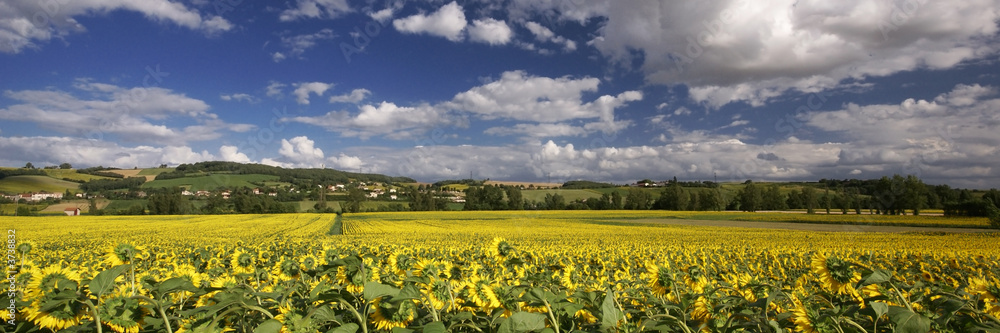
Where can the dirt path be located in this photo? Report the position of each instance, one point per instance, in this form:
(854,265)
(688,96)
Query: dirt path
(807,226)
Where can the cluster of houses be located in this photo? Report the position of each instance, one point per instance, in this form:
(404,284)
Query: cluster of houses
(373,191)
(34,197)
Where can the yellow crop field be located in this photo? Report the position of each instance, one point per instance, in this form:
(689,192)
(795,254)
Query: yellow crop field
(488,272)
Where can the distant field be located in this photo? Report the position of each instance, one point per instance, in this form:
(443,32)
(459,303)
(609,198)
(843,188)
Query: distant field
(72,174)
(22,184)
(211,182)
(154,171)
(525,184)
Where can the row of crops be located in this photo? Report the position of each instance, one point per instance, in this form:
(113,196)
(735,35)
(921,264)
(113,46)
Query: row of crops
(489,272)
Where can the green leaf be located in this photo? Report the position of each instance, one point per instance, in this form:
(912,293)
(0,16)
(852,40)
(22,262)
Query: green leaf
(409,291)
(907,321)
(522,322)
(610,314)
(105,281)
(175,284)
(269,326)
(346,328)
(401,330)
(435,327)
(880,309)
(878,276)
(374,290)
(774,325)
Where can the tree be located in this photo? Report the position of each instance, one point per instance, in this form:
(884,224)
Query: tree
(167,202)
(29,166)
(708,200)
(794,200)
(637,199)
(772,199)
(994,214)
(616,200)
(672,198)
(355,196)
(809,199)
(65,166)
(514,199)
(555,201)
(750,197)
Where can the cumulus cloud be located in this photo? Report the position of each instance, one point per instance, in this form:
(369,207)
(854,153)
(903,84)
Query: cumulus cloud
(490,31)
(754,51)
(232,154)
(304,89)
(127,113)
(448,22)
(328,9)
(25,23)
(345,162)
(301,152)
(355,97)
(275,89)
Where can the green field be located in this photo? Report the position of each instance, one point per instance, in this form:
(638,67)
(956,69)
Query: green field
(154,171)
(569,195)
(24,184)
(211,182)
(72,174)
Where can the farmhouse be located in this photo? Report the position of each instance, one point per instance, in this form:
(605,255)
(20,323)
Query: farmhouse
(72,211)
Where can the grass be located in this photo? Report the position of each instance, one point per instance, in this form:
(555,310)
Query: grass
(125,204)
(306,205)
(24,184)
(211,182)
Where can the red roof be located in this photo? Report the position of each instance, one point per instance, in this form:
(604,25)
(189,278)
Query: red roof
(69,209)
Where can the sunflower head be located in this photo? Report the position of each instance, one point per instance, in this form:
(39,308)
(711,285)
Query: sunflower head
(122,313)
(388,315)
(243,262)
(499,249)
(55,288)
(123,253)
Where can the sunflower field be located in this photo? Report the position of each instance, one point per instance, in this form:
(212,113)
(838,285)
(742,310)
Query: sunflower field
(487,272)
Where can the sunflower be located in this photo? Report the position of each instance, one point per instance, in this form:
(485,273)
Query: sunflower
(387,315)
(48,286)
(295,321)
(835,274)
(243,262)
(122,313)
(481,293)
(800,316)
(123,253)
(987,293)
(659,278)
(585,316)
(438,295)
(702,310)
(499,249)
(287,269)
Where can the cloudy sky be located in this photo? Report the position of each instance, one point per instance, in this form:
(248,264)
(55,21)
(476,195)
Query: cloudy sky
(517,90)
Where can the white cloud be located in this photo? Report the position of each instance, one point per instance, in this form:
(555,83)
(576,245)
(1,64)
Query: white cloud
(239,98)
(302,90)
(538,130)
(23,23)
(754,51)
(127,113)
(545,35)
(299,44)
(355,97)
(448,22)
(274,89)
(383,15)
(345,162)
(490,31)
(301,152)
(232,154)
(329,9)
(386,118)
(519,96)
(49,150)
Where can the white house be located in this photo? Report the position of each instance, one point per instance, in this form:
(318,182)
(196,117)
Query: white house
(72,211)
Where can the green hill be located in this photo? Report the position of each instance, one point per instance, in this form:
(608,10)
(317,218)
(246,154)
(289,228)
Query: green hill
(24,184)
(211,182)
(72,175)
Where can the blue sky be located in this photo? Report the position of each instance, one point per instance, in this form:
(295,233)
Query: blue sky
(509,90)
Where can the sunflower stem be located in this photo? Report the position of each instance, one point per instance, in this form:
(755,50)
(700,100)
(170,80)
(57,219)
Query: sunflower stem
(97,316)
